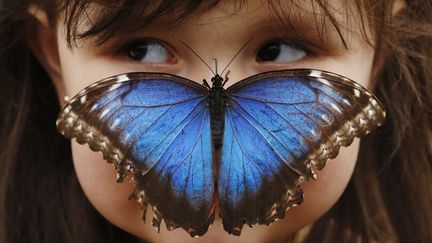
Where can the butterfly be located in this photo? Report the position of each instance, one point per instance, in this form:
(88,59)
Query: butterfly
(193,150)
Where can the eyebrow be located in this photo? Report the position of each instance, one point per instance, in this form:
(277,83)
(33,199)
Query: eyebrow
(317,19)
(284,20)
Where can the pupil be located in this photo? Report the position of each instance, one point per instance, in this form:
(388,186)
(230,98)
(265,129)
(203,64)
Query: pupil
(269,52)
(138,52)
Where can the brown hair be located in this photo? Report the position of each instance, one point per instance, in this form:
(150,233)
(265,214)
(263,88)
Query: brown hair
(389,197)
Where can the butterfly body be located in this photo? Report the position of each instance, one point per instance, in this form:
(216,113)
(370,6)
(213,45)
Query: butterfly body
(242,152)
(217,111)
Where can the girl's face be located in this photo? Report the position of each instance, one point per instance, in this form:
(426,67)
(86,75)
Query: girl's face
(218,33)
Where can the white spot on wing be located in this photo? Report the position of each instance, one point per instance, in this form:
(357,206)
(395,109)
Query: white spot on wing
(70,120)
(334,107)
(315,133)
(83,99)
(115,86)
(346,101)
(94,107)
(316,73)
(115,123)
(67,109)
(126,136)
(325,117)
(122,78)
(104,112)
(324,81)
(356,93)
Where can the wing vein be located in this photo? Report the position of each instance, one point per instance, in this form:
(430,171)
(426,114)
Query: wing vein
(246,155)
(165,104)
(239,144)
(339,106)
(274,149)
(193,147)
(332,112)
(290,123)
(135,139)
(171,130)
(142,107)
(271,102)
(107,102)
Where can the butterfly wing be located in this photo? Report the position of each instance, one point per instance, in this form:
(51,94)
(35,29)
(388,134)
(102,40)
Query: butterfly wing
(277,125)
(155,126)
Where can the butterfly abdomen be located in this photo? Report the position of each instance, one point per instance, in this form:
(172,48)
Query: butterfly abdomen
(217,116)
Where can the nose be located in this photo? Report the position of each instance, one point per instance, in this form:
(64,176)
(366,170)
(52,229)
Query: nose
(225,56)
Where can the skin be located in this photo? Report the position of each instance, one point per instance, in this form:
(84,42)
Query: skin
(217,33)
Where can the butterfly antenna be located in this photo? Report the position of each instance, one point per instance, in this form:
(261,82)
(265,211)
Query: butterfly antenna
(215,60)
(232,59)
(196,54)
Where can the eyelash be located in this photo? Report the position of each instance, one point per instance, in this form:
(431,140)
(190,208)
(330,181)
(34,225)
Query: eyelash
(127,48)
(293,44)
(309,50)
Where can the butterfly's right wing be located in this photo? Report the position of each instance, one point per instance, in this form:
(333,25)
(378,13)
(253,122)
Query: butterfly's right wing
(278,126)
(156,126)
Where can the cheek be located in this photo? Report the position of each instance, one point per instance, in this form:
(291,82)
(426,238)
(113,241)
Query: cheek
(320,194)
(98,180)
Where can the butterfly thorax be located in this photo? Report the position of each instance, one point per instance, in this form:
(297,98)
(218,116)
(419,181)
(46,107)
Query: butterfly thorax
(217,111)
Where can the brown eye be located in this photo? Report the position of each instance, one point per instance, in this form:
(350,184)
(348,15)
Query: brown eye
(280,51)
(149,52)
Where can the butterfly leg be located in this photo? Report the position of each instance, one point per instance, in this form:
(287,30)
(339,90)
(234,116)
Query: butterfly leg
(206,84)
(226,78)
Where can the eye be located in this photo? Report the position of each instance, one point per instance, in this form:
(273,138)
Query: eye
(149,52)
(280,51)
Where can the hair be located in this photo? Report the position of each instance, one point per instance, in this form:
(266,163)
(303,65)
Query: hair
(389,197)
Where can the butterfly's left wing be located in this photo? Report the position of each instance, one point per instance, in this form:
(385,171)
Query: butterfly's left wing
(277,125)
(158,127)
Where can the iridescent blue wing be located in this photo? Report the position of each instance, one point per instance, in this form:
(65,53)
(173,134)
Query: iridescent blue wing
(278,125)
(157,127)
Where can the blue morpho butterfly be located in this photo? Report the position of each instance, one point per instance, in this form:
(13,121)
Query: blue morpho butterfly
(194,150)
